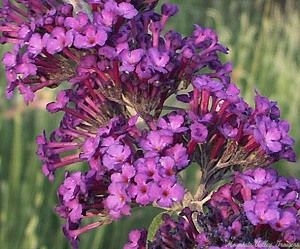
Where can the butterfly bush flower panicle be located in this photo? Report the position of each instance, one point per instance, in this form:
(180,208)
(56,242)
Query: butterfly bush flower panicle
(119,66)
(226,134)
(142,55)
(110,152)
(258,208)
(263,202)
(37,32)
(80,123)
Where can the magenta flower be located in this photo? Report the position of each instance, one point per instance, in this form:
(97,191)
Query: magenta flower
(130,59)
(128,172)
(35,44)
(57,40)
(62,100)
(116,155)
(117,201)
(78,22)
(169,193)
(127,10)
(179,155)
(148,168)
(261,212)
(156,141)
(90,37)
(158,59)
(144,192)
(9,59)
(173,122)
(199,132)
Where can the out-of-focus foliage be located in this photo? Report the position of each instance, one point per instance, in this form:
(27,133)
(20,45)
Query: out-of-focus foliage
(264,42)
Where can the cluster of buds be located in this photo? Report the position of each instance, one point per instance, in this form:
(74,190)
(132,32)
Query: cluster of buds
(118,69)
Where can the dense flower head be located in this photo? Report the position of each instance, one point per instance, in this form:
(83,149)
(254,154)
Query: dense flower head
(258,209)
(135,171)
(124,52)
(230,132)
(257,204)
(259,130)
(118,68)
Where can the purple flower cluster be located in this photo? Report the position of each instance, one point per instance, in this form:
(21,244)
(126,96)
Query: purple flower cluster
(258,209)
(81,195)
(118,67)
(257,204)
(132,166)
(114,47)
(226,133)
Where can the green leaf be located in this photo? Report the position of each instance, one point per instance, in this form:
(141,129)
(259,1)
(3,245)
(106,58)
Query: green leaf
(154,226)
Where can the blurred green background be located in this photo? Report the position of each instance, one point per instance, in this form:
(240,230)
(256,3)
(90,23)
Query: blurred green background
(264,41)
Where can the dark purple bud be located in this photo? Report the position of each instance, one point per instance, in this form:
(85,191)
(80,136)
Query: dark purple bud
(169,9)
(199,132)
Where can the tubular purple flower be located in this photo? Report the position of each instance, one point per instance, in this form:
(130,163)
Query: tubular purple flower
(35,44)
(148,168)
(81,195)
(156,141)
(115,156)
(130,59)
(9,59)
(144,192)
(62,100)
(91,37)
(167,167)
(179,155)
(169,9)
(117,202)
(247,207)
(57,40)
(198,132)
(169,193)
(128,172)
